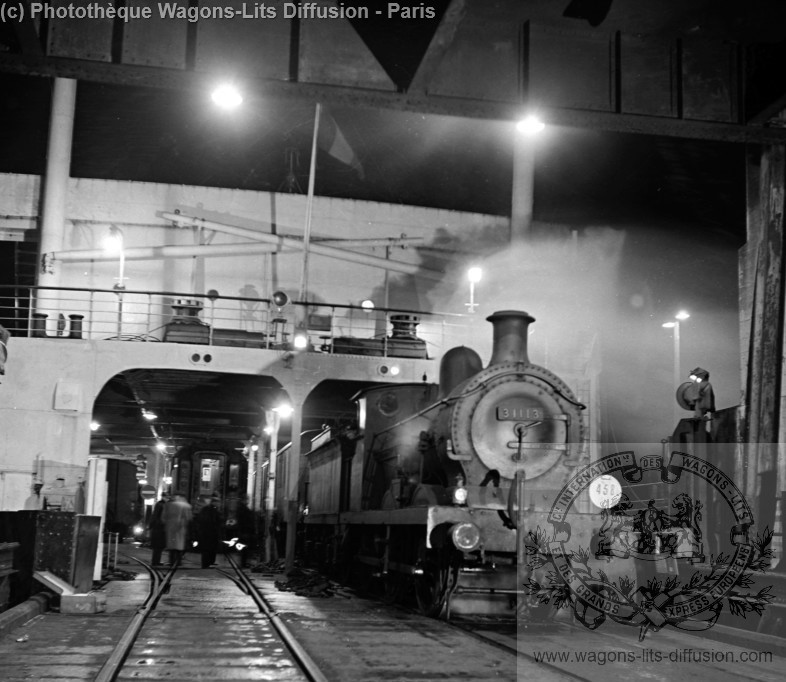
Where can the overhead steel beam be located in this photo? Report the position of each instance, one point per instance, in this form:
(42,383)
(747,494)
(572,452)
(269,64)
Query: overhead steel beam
(440,44)
(174,79)
(769,112)
(27,36)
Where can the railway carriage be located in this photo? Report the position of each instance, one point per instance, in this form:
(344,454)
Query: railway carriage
(204,469)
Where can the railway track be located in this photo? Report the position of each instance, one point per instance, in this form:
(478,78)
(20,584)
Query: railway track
(200,624)
(144,651)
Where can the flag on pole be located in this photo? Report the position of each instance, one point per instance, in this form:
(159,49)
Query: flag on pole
(333,141)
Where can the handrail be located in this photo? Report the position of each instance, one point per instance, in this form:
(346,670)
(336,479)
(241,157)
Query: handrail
(213,319)
(184,295)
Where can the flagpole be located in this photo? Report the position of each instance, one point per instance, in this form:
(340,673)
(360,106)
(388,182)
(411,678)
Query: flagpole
(309,206)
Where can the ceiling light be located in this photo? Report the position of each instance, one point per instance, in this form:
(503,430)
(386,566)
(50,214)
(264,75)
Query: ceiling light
(150,416)
(530,125)
(94,426)
(227,96)
(161,446)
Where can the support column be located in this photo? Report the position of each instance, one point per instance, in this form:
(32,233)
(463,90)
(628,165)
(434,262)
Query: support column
(55,183)
(293,485)
(764,401)
(523,187)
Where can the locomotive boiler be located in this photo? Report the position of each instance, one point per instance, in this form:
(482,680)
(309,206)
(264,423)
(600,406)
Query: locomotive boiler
(434,490)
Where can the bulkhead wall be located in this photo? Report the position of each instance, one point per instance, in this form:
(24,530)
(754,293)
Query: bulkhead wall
(50,385)
(94,207)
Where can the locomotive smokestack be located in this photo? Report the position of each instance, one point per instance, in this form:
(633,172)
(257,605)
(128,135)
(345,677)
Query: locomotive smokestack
(510,336)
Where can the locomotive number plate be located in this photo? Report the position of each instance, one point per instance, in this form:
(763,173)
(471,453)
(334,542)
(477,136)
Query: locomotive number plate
(518,412)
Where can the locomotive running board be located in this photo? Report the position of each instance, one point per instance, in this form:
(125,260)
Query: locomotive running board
(484,592)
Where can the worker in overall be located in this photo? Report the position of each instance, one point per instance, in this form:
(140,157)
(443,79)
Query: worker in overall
(699,395)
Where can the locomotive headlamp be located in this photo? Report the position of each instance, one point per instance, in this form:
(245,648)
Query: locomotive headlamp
(465,536)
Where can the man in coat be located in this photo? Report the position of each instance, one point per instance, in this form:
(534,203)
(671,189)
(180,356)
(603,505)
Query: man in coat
(177,519)
(209,531)
(244,528)
(158,530)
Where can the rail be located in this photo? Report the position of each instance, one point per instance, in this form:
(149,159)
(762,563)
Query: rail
(160,585)
(215,320)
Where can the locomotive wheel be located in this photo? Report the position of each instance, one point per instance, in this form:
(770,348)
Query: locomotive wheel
(431,587)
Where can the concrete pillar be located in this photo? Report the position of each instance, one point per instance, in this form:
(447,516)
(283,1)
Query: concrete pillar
(523,186)
(55,185)
(95,504)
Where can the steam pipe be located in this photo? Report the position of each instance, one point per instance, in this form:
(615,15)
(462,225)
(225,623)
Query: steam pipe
(511,328)
(152,252)
(320,249)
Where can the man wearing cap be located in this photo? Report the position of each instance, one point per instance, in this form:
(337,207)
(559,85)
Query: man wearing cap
(209,525)
(700,396)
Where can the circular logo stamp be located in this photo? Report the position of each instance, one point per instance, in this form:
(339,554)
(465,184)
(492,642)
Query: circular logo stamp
(605,491)
(646,534)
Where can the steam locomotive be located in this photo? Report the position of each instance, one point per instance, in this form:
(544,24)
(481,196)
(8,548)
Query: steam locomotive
(435,489)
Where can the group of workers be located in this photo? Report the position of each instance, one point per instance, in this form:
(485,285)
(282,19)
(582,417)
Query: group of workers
(173,526)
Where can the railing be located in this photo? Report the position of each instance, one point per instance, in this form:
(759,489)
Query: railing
(177,317)
(110,545)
